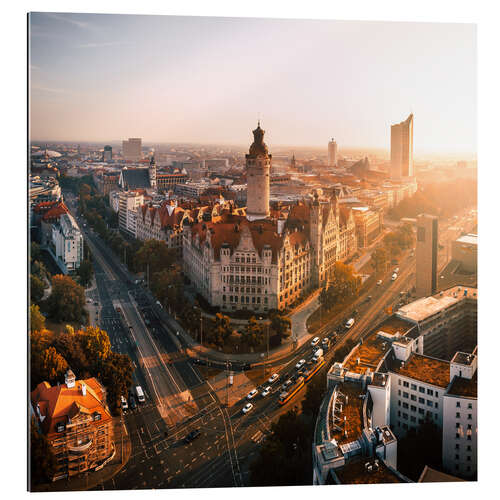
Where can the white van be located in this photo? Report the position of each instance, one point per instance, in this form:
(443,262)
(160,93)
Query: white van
(349,323)
(317,355)
(140,394)
(124,403)
(394,277)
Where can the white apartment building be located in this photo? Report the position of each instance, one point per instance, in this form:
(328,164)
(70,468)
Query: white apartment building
(129,203)
(67,243)
(387,380)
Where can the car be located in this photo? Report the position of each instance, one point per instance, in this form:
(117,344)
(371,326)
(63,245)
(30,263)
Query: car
(132,403)
(247,408)
(252,394)
(273,378)
(355,312)
(396,270)
(394,277)
(286,385)
(368,298)
(314,341)
(325,343)
(192,436)
(300,364)
(124,403)
(266,391)
(379,282)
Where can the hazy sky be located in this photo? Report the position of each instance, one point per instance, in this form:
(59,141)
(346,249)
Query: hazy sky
(193,79)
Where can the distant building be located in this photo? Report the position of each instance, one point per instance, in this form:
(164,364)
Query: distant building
(132,149)
(402,149)
(107,154)
(77,423)
(464,251)
(67,243)
(332,153)
(106,182)
(368,225)
(139,177)
(129,203)
(427,255)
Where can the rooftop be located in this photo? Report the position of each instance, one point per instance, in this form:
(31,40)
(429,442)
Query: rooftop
(424,368)
(470,239)
(356,472)
(464,387)
(422,308)
(434,476)
(352,411)
(463,358)
(367,355)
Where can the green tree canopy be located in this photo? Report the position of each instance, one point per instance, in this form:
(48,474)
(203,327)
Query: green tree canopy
(157,255)
(36,289)
(85,272)
(37,319)
(67,300)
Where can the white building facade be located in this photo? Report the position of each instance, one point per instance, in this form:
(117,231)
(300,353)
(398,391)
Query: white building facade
(67,243)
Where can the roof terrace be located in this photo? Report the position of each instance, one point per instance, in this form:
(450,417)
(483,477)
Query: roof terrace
(346,422)
(367,355)
(424,368)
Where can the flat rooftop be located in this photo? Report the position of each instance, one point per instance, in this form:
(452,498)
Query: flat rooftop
(422,308)
(353,411)
(355,472)
(424,368)
(469,239)
(463,358)
(464,387)
(367,355)
(374,348)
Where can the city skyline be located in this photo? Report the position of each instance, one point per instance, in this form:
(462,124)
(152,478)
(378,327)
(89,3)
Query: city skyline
(303,93)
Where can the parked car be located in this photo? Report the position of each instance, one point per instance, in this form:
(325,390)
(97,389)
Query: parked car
(396,270)
(300,364)
(252,394)
(325,343)
(286,385)
(247,408)
(273,378)
(394,277)
(266,391)
(379,282)
(124,403)
(192,436)
(314,341)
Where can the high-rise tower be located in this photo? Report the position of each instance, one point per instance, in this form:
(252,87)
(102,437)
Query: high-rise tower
(258,163)
(332,153)
(427,255)
(402,149)
(152,171)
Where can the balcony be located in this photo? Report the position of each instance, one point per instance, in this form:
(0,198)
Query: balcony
(80,448)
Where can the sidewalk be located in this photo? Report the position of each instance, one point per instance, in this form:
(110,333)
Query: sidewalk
(299,336)
(86,481)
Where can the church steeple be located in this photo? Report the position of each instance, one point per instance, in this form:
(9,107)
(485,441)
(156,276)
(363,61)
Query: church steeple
(258,146)
(152,171)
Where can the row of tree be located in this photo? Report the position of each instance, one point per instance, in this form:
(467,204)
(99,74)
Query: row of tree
(342,286)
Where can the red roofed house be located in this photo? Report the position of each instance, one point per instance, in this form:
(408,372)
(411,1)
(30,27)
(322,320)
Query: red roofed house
(77,423)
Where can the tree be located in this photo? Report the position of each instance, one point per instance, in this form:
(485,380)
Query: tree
(314,395)
(220,330)
(36,289)
(379,260)
(285,456)
(53,365)
(67,300)
(42,460)
(95,343)
(37,319)
(281,325)
(35,252)
(254,334)
(85,272)
(342,285)
(116,374)
(38,269)
(157,255)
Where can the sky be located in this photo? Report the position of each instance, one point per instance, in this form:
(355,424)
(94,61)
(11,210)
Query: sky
(96,77)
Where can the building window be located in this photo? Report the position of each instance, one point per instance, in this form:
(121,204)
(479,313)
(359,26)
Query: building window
(405,405)
(430,392)
(421,411)
(413,408)
(435,405)
(469,406)
(421,401)
(457,446)
(469,416)
(457,435)
(422,389)
(429,403)
(457,415)
(405,395)
(406,384)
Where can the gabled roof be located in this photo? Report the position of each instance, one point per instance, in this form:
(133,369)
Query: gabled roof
(60,403)
(55,212)
(136,178)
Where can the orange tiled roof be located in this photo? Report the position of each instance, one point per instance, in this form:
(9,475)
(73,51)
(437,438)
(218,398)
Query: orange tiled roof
(55,212)
(57,403)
